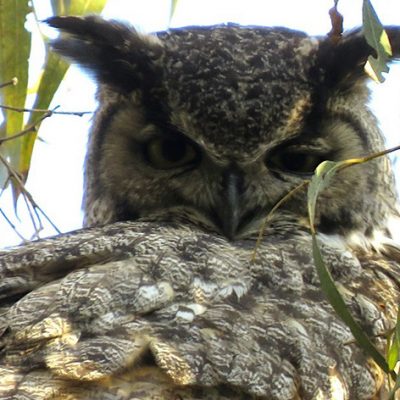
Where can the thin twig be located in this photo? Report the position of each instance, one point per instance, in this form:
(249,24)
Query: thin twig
(13,82)
(14,175)
(382,335)
(41,110)
(29,129)
(13,227)
(272,211)
(349,163)
(363,160)
(32,213)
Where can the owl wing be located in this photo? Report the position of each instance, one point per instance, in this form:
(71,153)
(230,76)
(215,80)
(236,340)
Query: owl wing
(143,311)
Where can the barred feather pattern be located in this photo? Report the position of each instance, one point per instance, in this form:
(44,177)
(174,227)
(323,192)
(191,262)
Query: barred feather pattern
(145,311)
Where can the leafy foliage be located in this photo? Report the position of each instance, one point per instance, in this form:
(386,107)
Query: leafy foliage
(54,69)
(14,63)
(174,3)
(19,129)
(321,180)
(15,45)
(377,38)
(393,354)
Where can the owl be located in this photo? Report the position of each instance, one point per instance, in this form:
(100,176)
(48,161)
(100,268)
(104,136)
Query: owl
(165,294)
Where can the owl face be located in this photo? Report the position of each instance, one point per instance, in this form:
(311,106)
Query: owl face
(215,125)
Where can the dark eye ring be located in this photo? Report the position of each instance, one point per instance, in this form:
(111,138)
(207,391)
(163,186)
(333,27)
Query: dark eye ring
(295,161)
(169,153)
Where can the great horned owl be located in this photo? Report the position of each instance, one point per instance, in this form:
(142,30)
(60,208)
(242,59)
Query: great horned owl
(200,131)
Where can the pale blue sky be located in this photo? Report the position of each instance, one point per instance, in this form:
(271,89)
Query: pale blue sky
(55,180)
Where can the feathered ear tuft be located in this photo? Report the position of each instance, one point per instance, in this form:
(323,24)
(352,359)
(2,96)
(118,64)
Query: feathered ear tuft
(114,52)
(344,61)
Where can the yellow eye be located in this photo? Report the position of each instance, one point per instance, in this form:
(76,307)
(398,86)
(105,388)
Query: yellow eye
(169,153)
(295,161)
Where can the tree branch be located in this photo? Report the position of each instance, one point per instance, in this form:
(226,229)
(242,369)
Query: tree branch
(28,198)
(13,227)
(30,128)
(40,110)
(13,82)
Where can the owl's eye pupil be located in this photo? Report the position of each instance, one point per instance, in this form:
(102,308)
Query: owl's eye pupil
(297,161)
(170,153)
(294,161)
(173,150)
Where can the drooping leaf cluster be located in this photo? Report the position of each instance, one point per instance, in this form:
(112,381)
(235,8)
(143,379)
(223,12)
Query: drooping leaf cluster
(15,48)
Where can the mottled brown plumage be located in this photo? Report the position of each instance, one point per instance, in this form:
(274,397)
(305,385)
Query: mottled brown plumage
(199,132)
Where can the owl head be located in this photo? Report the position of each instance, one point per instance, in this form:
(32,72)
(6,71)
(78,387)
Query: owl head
(214,125)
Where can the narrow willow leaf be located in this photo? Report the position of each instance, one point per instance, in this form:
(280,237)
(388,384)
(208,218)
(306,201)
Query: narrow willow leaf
(15,45)
(393,353)
(174,3)
(392,395)
(326,171)
(397,329)
(60,7)
(53,73)
(377,38)
(83,7)
(320,181)
(335,299)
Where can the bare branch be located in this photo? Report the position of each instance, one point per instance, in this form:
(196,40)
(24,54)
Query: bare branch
(13,82)
(13,227)
(28,198)
(336,32)
(40,110)
(35,212)
(270,214)
(29,129)
(32,214)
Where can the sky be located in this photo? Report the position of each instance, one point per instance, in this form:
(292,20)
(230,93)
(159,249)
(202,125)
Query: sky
(55,180)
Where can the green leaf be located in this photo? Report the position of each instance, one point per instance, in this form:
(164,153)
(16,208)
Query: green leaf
(320,181)
(77,7)
(335,299)
(15,45)
(174,3)
(393,355)
(395,388)
(323,176)
(317,184)
(55,69)
(60,7)
(54,72)
(377,38)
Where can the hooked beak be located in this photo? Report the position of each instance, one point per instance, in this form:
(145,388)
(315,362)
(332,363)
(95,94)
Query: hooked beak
(229,205)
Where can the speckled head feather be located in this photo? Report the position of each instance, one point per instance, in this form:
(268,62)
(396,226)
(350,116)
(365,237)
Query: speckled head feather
(239,97)
(240,81)
(230,82)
